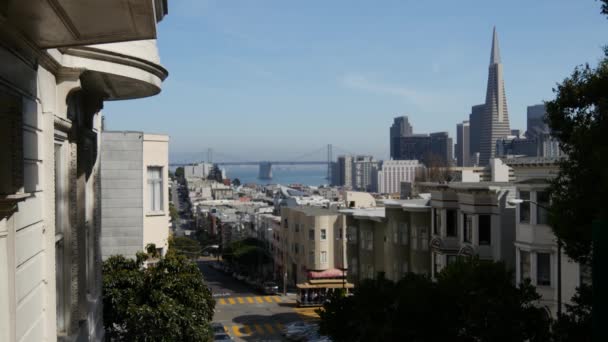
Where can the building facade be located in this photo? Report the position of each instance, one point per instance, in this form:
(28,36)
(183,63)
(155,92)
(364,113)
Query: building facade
(495,120)
(477,112)
(442,148)
(345,171)
(58,63)
(198,170)
(365,173)
(414,147)
(401,127)
(314,240)
(393,172)
(462,147)
(134,192)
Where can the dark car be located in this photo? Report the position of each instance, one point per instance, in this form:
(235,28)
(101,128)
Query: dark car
(270,288)
(222,337)
(218,328)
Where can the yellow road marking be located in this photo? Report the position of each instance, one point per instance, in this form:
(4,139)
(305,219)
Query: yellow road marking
(268,299)
(269,328)
(222,301)
(276,299)
(259,299)
(231,301)
(250,300)
(258,329)
(236,330)
(241,300)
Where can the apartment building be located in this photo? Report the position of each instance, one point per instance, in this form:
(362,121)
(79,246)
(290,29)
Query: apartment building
(134,192)
(469,219)
(537,255)
(390,240)
(59,62)
(393,172)
(314,240)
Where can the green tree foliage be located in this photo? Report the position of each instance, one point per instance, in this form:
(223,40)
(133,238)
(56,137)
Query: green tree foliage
(576,324)
(185,246)
(167,301)
(248,254)
(179,172)
(236,182)
(173,212)
(578,117)
(474,301)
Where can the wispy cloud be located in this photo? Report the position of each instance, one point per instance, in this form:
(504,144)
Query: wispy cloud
(366,83)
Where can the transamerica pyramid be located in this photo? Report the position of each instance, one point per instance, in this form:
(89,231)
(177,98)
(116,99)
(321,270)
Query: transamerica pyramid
(495,120)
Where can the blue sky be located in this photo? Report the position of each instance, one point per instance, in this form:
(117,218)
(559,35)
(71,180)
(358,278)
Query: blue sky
(278,79)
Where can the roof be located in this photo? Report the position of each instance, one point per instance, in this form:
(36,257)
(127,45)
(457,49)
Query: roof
(416,203)
(363,213)
(531,161)
(315,211)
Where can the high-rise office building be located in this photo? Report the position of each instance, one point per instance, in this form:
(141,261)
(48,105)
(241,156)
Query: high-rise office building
(474,132)
(364,175)
(413,147)
(345,171)
(535,121)
(401,128)
(462,144)
(495,121)
(442,147)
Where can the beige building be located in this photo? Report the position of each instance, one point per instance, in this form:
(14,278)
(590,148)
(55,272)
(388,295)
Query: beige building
(537,256)
(314,240)
(134,192)
(390,240)
(58,62)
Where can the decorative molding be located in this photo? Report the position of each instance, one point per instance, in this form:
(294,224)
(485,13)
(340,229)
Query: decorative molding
(62,124)
(118,58)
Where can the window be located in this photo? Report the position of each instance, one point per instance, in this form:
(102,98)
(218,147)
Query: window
(339,234)
(311,257)
(451,226)
(311,234)
(323,234)
(352,234)
(542,198)
(296,248)
(297,227)
(369,240)
(155,188)
(450,259)
(524,265)
(323,257)
(436,264)
(485,229)
(60,212)
(285,223)
(524,208)
(467,228)
(543,269)
(436,221)
(352,266)
(424,241)
(403,233)
(414,243)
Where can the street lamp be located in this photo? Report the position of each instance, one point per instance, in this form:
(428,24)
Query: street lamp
(517,201)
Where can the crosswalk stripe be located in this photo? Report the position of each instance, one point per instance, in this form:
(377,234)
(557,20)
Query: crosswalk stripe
(259,329)
(236,330)
(250,300)
(231,301)
(241,300)
(222,301)
(268,299)
(259,299)
(269,328)
(276,299)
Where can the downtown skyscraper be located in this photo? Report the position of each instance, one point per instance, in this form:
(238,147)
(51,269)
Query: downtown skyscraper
(495,118)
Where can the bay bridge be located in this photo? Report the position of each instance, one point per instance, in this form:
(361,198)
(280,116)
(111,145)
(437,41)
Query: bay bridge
(265,166)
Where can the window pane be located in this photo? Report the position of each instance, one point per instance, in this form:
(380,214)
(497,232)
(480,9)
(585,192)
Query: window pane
(542,198)
(436,221)
(311,234)
(451,228)
(524,265)
(323,234)
(485,229)
(524,208)
(543,269)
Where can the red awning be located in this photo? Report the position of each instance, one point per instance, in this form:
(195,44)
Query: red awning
(330,273)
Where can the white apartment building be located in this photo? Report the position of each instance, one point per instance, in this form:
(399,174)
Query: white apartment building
(393,172)
(134,192)
(538,257)
(314,240)
(59,61)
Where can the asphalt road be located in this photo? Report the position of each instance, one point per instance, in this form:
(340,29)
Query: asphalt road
(247,314)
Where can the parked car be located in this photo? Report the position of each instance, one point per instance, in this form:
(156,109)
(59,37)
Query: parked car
(222,337)
(270,288)
(218,328)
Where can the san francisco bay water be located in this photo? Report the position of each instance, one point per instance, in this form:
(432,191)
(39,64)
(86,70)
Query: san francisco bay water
(285,175)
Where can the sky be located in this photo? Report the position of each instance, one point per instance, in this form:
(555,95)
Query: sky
(278,80)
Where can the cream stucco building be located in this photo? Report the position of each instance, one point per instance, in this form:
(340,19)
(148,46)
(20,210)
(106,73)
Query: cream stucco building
(134,192)
(59,61)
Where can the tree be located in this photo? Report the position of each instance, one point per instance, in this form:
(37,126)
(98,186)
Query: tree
(167,301)
(578,118)
(236,182)
(576,324)
(474,300)
(185,246)
(179,172)
(249,254)
(173,212)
